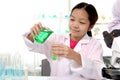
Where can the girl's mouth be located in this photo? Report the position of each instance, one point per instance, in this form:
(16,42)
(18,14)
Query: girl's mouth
(74,30)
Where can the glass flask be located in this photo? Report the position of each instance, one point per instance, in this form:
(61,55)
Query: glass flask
(44,34)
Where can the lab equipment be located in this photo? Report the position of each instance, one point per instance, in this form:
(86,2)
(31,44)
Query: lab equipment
(108,37)
(11,67)
(113,72)
(44,34)
(42,37)
(115,60)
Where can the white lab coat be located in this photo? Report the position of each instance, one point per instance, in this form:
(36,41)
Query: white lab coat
(90,50)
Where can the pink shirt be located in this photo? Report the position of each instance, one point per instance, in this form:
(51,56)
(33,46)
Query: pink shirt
(73,43)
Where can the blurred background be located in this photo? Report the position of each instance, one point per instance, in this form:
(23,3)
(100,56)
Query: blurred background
(18,16)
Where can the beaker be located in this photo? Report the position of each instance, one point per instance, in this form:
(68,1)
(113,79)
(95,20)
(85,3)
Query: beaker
(44,34)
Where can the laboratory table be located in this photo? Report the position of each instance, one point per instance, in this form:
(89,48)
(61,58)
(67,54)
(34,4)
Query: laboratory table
(53,78)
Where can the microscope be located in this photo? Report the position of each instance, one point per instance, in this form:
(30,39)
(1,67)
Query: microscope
(112,41)
(115,59)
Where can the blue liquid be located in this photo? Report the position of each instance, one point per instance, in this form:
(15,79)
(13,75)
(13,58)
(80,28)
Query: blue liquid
(2,67)
(9,72)
(19,72)
(14,72)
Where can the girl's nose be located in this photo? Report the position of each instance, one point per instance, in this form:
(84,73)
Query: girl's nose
(76,25)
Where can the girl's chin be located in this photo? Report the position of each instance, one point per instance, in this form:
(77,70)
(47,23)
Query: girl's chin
(73,32)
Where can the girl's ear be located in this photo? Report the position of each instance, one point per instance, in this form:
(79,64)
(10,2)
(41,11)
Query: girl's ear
(91,26)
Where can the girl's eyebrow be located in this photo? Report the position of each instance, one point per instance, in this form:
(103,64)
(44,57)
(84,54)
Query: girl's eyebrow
(80,18)
(72,16)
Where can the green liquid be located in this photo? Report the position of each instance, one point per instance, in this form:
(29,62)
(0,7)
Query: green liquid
(41,38)
(54,57)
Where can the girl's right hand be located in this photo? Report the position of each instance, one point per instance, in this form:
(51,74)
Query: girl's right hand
(35,30)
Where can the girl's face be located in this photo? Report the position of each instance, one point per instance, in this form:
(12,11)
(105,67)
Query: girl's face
(79,24)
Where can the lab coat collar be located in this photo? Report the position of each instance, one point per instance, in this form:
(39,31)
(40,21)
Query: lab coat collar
(85,39)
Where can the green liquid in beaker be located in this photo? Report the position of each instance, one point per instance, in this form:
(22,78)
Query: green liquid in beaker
(44,34)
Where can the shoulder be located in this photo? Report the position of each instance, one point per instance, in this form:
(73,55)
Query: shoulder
(95,46)
(89,40)
(94,42)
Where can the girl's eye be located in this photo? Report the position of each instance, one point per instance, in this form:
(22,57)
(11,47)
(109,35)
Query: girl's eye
(72,19)
(82,22)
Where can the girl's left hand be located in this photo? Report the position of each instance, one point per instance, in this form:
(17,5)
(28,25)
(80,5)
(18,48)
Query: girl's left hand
(62,51)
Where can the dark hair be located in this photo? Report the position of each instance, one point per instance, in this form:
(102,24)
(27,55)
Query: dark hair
(90,9)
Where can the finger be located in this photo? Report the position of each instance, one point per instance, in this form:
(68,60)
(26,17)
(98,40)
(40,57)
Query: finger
(32,31)
(61,55)
(39,26)
(53,51)
(58,51)
(60,48)
(56,44)
(57,47)
(35,29)
(65,55)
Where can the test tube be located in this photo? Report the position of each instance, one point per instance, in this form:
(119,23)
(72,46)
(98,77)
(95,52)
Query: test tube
(54,57)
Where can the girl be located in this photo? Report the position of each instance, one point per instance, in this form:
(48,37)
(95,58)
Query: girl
(78,54)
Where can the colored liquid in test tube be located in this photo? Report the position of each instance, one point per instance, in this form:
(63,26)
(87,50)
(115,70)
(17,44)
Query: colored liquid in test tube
(2,69)
(55,41)
(54,57)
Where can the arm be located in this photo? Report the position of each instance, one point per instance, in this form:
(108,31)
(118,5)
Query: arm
(92,63)
(29,39)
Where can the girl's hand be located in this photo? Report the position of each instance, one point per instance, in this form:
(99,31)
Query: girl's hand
(61,50)
(35,30)
(64,51)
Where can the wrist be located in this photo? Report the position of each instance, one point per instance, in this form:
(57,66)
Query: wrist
(77,58)
(30,37)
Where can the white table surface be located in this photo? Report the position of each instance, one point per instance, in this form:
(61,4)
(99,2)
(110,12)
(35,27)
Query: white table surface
(56,78)
(53,78)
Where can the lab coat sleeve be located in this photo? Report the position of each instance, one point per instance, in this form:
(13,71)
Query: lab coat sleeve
(36,47)
(44,48)
(92,62)
(28,43)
